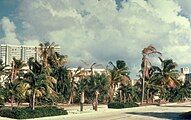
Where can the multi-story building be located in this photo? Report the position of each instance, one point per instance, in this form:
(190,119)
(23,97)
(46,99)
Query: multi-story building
(7,52)
(185,74)
(86,72)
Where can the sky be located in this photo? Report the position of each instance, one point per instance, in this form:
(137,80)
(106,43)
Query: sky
(101,30)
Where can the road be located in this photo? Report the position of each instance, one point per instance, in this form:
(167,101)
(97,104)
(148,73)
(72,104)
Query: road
(164,112)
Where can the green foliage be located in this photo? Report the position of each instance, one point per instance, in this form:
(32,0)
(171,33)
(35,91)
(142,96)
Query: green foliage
(26,113)
(119,105)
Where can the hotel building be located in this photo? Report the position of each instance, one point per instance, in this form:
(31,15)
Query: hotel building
(7,52)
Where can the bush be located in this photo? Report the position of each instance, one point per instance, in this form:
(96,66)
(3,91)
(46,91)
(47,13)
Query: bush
(26,113)
(130,104)
(118,105)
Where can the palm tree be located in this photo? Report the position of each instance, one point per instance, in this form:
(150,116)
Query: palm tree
(37,86)
(79,73)
(98,84)
(82,89)
(166,76)
(36,83)
(59,70)
(46,50)
(118,74)
(17,66)
(145,66)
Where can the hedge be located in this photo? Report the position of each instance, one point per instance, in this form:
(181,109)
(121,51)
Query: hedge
(26,113)
(118,105)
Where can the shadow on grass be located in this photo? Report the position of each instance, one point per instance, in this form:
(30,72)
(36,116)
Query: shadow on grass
(162,115)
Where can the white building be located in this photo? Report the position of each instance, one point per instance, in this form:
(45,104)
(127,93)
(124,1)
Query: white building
(7,52)
(86,72)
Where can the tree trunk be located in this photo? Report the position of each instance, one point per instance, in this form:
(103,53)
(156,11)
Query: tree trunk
(111,93)
(96,100)
(121,96)
(70,99)
(12,99)
(33,101)
(82,101)
(124,98)
(143,90)
(147,96)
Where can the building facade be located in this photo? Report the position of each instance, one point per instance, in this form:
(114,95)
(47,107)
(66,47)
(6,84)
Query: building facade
(7,52)
(185,74)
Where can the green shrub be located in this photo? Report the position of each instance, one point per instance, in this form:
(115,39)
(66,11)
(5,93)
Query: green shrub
(130,104)
(25,113)
(118,105)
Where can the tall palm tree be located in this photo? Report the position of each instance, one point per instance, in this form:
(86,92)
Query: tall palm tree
(17,66)
(79,73)
(46,50)
(59,70)
(146,65)
(118,74)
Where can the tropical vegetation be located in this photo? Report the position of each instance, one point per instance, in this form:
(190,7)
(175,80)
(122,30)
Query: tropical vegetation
(50,81)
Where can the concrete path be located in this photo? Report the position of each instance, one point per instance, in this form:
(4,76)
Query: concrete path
(164,112)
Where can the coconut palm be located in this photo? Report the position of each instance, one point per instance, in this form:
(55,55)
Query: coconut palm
(82,89)
(37,83)
(79,73)
(146,65)
(37,86)
(59,70)
(16,69)
(166,76)
(46,50)
(98,84)
(118,74)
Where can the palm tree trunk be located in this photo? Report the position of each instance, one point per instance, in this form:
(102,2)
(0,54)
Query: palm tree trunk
(33,101)
(96,100)
(111,92)
(147,96)
(124,98)
(121,96)
(12,99)
(70,99)
(82,101)
(143,90)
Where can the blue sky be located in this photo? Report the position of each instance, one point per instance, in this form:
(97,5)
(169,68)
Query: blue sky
(96,32)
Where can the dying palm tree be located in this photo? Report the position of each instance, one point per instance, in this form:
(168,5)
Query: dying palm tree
(118,74)
(146,65)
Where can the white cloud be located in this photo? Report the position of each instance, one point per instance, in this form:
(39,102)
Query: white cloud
(96,31)
(8,28)
(186,7)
